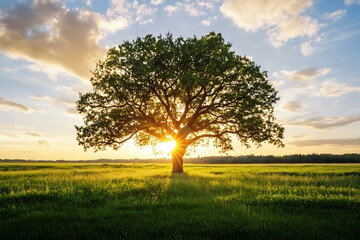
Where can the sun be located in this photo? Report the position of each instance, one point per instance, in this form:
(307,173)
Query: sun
(165,147)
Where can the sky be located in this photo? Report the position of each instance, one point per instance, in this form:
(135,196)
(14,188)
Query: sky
(48,48)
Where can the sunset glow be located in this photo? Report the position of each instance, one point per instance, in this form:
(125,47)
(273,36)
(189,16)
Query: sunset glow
(165,147)
(48,50)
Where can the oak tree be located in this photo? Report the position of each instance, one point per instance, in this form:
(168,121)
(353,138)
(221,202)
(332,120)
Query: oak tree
(186,89)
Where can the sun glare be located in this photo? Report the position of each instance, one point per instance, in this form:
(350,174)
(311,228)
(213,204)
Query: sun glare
(165,147)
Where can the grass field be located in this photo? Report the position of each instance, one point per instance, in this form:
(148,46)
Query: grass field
(144,201)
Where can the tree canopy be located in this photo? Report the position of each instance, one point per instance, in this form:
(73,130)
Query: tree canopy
(187,89)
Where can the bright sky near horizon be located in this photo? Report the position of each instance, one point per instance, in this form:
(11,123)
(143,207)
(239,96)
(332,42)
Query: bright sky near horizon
(310,48)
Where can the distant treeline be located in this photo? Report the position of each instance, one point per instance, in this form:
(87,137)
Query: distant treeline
(297,158)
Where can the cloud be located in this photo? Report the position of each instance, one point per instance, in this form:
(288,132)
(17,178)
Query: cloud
(67,104)
(305,74)
(54,101)
(64,102)
(205,22)
(119,15)
(171,9)
(332,89)
(277,83)
(340,35)
(72,111)
(292,106)
(326,123)
(43,142)
(144,13)
(298,136)
(15,131)
(37,135)
(13,105)
(293,28)
(74,89)
(33,134)
(48,32)
(147,21)
(88,2)
(340,142)
(334,16)
(310,73)
(126,12)
(349,2)
(42,98)
(306,48)
(157,2)
(52,71)
(192,8)
(283,19)
(7,104)
(9,134)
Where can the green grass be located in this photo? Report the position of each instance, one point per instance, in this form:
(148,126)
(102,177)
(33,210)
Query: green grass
(144,201)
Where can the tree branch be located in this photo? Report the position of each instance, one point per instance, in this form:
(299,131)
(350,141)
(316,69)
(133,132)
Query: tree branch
(197,111)
(126,139)
(167,108)
(209,135)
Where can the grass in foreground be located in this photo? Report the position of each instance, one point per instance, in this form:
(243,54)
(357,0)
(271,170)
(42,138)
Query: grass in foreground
(144,201)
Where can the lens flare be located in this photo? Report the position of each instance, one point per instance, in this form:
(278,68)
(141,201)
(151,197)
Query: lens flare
(165,147)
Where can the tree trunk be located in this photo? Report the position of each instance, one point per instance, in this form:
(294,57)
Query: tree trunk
(177,158)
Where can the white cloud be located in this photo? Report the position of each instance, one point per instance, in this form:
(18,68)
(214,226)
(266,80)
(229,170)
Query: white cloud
(7,104)
(326,123)
(88,2)
(306,48)
(292,106)
(206,4)
(144,13)
(349,2)
(125,12)
(119,8)
(52,71)
(49,33)
(340,142)
(74,89)
(293,28)
(171,9)
(334,16)
(205,22)
(277,83)
(333,89)
(309,73)
(192,8)
(67,104)
(157,2)
(112,24)
(283,19)
(253,15)
(147,21)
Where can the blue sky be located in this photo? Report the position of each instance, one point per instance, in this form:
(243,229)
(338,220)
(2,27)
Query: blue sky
(310,49)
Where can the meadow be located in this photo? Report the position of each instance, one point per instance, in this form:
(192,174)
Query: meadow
(146,201)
